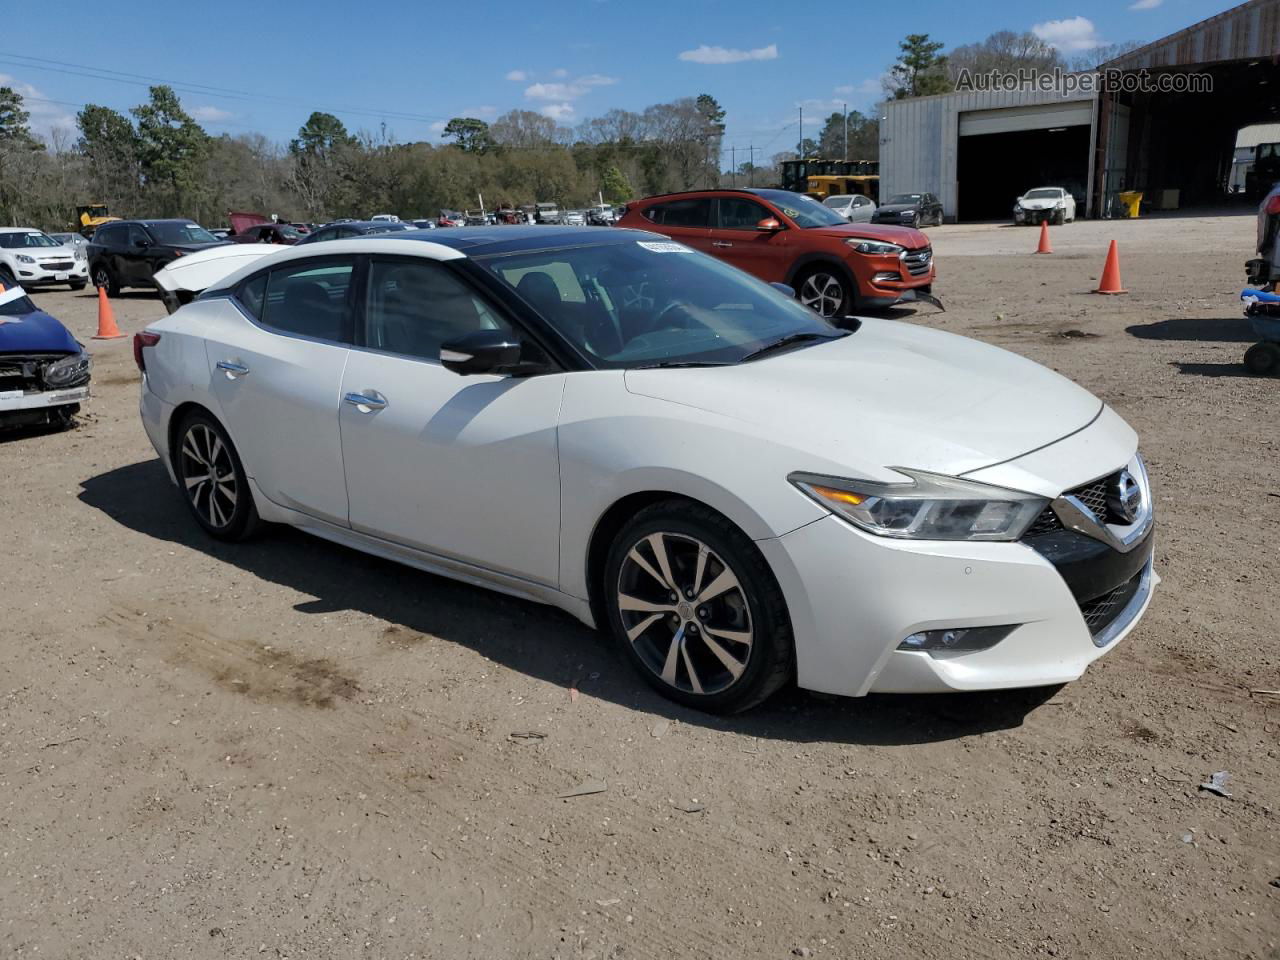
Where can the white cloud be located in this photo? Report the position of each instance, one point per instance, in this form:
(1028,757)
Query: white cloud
(568,91)
(210,114)
(1145,4)
(1071,35)
(558,111)
(869,87)
(517,76)
(562,72)
(46,116)
(706,54)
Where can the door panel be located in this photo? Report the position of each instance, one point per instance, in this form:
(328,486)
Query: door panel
(736,240)
(464,467)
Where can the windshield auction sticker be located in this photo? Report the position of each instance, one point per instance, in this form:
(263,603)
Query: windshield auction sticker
(664,246)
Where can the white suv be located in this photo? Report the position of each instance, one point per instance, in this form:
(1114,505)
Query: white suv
(32,258)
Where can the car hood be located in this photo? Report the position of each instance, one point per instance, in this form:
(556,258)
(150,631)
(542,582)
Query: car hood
(908,237)
(241,220)
(897,207)
(195,247)
(34,332)
(890,394)
(201,270)
(1038,203)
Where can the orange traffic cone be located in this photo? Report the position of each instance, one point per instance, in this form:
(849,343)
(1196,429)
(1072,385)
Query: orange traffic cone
(1111,273)
(107,329)
(1045,246)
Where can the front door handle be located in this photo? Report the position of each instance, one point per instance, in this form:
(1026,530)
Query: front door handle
(233,370)
(366,402)
(721,243)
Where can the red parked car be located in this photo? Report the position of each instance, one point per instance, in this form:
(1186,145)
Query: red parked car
(255,228)
(834,266)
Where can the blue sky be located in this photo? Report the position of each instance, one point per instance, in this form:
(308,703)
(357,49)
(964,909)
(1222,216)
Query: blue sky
(415,64)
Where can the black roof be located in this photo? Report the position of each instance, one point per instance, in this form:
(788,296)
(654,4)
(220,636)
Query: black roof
(493,241)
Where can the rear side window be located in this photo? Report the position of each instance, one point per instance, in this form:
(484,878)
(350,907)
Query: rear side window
(693,212)
(110,235)
(251,294)
(309,300)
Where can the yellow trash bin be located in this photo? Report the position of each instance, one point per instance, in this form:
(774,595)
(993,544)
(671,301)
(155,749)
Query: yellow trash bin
(1130,199)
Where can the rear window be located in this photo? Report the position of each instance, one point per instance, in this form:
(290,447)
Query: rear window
(176,232)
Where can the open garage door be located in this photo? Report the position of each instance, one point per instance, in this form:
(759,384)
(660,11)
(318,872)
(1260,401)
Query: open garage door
(995,168)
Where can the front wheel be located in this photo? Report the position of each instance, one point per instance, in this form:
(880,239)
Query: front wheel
(825,291)
(213,479)
(1263,359)
(696,609)
(104,278)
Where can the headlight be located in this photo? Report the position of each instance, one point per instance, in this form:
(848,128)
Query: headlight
(875,247)
(23,258)
(930,507)
(78,253)
(69,371)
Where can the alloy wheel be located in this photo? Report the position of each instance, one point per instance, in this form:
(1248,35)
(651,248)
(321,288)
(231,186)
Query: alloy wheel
(822,292)
(685,613)
(101,278)
(209,475)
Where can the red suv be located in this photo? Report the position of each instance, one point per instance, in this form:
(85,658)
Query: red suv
(834,266)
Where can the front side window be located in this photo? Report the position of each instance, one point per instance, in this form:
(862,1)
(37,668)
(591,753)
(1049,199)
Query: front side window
(415,306)
(179,232)
(737,213)
(654,302)
(308,299)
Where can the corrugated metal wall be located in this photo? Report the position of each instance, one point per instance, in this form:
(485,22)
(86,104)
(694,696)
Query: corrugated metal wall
(919,138)
(1241,33)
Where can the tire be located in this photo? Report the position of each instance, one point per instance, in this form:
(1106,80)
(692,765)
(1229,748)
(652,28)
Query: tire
(726,668)
(79,284)
(1060,218)
(6,277)
(817,288)
(103,277)
(1263,359)
(224,508)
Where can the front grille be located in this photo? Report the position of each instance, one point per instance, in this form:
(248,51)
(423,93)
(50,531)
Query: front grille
(58,265)
(1100,612)
(917,261)
(1092,495)
(20,373)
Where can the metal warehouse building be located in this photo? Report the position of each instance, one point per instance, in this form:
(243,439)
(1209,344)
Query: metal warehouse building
(980,149)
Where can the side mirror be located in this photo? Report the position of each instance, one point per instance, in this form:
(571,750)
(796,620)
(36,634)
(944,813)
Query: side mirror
(484,351)
(784,288)
(141,244)
(769,225)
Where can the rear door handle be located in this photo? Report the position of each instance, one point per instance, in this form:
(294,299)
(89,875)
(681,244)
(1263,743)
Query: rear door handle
(233,370)
(721,243)
(366,402)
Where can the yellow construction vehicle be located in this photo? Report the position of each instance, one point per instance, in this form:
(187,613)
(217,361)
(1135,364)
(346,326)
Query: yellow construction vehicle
(91,216)
(820,187)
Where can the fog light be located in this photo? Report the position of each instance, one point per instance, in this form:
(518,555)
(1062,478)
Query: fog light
(881,277)
(956,639)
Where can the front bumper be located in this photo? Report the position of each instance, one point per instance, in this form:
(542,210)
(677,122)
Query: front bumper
(854,597)
(14,400)
(37,274)
(1037,216)
(885,279)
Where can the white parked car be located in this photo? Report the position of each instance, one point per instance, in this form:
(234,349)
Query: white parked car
(181,281)
(669,449)
(1052,204)
(32,258)
(389,217)
(852,206)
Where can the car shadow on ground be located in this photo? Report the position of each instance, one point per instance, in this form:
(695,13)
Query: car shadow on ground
(1199,329)
(533,639)
(1215,369)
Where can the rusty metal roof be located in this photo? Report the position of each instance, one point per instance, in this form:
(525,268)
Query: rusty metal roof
(1249,31)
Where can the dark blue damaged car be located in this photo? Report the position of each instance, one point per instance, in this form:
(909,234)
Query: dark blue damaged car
(44,371)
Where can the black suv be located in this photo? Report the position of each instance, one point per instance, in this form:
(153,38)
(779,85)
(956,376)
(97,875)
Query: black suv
(127,253)
(910,210)
(354,228)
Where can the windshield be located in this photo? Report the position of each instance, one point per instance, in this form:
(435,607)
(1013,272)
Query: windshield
(17,306)
(654,302)
(32,238)
(1044,194)
(905,198)
(805,211)
(177,232)
(837,201)
(289,232)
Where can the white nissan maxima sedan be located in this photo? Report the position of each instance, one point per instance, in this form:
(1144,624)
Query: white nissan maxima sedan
(669,449)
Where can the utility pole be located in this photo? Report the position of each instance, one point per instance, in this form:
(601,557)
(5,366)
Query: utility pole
(846,131)
(751,166)
(733,164)
(800,145)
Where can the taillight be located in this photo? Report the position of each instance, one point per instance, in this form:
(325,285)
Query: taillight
(1273,204)
(143,338)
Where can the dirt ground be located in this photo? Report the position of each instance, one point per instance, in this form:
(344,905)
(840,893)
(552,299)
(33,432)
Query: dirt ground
(289,749)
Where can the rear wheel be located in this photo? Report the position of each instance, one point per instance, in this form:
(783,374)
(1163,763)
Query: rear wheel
(825,291)
(1263,359)
(213,479)
(103,277)
(696,609)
